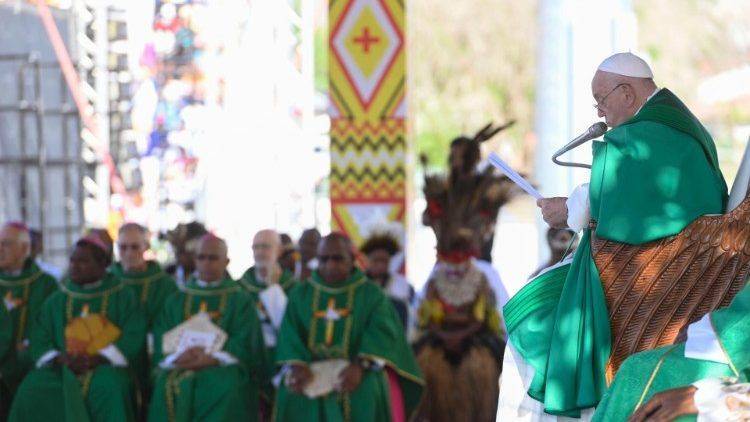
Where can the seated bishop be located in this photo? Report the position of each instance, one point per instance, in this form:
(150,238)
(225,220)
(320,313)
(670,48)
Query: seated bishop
(83,342)
(150,284)
(343,347)
(208,347)
(677,380)
(268,285)
(24,287)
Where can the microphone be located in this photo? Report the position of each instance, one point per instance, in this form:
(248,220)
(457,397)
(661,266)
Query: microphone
(596,130)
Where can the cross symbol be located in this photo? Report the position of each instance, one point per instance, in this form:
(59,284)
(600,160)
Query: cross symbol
(12,302)
(203,309)
(331,315)
(365,39)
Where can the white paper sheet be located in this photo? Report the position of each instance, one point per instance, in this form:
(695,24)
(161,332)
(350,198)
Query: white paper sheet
(501,165)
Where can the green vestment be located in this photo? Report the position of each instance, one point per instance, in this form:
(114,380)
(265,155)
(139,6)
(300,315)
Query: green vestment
(6,342)
(651,177)
(647,373)
(219,393)
(104,394)
(28,291)
(254,287)
(368,327)
(151,287)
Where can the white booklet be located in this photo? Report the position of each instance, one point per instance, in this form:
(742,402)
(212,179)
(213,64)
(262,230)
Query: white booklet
(198,331)
(325,377)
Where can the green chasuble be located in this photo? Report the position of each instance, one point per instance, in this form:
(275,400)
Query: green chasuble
(151,287)
(367,327)
(6,343)
(104,394)
(26,292)
(647,373)
(254,287)
(220,393)
(651,177)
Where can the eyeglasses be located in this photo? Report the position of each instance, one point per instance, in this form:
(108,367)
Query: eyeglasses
(598,105)
(207,257)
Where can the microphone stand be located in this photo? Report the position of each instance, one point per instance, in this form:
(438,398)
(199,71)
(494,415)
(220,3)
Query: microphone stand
(568,163)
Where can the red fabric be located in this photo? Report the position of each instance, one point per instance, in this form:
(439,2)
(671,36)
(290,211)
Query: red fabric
(398,414)
(95,241)
(456,257)
(18,225)
(434,209)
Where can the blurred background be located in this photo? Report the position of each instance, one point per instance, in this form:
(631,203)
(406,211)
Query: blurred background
(220,111)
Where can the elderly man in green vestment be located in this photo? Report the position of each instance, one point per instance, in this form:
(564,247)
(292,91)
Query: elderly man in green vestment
(151,285)
(343,347)
(83,341)
(194,384)
(669,382)
(268,285)
(656,171)
(24,287)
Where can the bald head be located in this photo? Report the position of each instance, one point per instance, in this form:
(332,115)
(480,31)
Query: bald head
(619,97)
(15,247)
(266,248)
(211,258)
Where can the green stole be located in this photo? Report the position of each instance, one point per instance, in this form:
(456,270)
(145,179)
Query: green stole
(31,287)
(653,175)
(367,327)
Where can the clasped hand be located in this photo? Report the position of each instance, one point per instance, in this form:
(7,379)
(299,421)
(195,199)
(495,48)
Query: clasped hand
(349,379)
(195,358)
(80,364)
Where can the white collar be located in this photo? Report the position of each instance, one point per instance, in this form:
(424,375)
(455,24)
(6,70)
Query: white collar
(202,283)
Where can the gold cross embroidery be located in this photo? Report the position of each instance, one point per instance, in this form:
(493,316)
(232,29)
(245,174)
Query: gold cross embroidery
(204,309)
(13,302)
(331,315)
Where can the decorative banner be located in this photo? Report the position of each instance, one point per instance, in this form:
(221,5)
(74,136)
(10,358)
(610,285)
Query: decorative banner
(367,72)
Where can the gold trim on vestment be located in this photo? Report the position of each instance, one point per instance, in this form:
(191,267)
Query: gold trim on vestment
(22,282)
(394,367)
(78,295)
(723,349)
(653,376)
(336,290)
(145,281)
(343,348)
(212,292)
